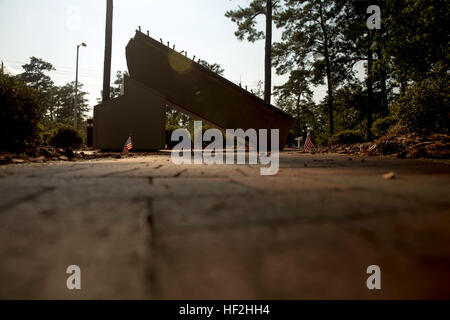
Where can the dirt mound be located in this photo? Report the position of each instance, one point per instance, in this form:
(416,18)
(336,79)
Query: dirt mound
(46,154)
(436,146)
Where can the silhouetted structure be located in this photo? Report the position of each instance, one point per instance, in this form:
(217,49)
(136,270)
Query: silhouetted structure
(158,76)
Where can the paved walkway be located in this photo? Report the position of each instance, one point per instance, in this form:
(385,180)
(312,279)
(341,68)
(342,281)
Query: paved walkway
(145,228)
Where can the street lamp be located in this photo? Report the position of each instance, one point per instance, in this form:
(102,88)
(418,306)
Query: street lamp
(76,87)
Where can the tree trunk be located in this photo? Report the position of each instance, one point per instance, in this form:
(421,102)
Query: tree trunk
(402,87)
(385,107)
(268,56)
(330,95)
(369,90)
(299,123)
(383,80)
(328,69)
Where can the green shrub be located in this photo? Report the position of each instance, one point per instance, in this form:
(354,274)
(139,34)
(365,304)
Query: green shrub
(45,137)
(48,129)
(20,112)
(346,136)
(425,106)
(382,126)
(66,137)
(323,140)
(291,139)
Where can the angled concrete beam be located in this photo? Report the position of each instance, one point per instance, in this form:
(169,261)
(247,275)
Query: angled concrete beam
(201,92)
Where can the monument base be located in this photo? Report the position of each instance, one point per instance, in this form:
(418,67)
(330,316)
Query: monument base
(139,113)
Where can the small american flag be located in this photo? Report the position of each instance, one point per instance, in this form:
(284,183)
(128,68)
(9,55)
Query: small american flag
(128,146)
(309,145)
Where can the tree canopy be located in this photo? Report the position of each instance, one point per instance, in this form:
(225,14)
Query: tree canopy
(326,42)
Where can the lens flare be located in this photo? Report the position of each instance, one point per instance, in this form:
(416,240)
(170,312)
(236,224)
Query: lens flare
(179,63)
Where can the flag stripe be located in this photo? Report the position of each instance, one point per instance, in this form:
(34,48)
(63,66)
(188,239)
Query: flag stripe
(309,145)
(128,146)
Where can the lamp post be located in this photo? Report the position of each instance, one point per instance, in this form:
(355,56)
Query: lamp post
(76,87)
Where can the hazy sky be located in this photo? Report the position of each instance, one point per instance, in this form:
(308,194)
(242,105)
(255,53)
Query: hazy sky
(51,30)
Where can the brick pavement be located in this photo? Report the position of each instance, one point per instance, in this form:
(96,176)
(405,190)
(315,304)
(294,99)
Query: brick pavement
(143,228)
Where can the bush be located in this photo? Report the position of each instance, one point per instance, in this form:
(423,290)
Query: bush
(382,126)
(66,137)
(20,112)
(346,136)
(425,106)
(290,140)
(45,137)
(323,140)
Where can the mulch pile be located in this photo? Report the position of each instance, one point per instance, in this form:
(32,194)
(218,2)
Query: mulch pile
(436,146)
(45,154)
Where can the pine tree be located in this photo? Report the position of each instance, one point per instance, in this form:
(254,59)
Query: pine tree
(311,41)
(64,101)
(36,76)
(245,18)
(296,90)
